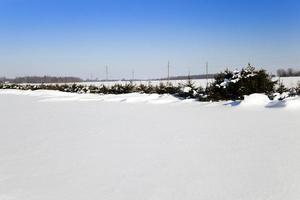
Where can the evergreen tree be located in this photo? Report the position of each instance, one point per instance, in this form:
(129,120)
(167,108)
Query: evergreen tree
(281,88)
(234,85)
(298,89)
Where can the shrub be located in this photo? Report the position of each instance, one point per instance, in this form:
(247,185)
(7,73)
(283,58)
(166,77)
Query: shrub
(148,89)
(298,89)
(94,89)
(121,89)
(129,88)
(234,85)
(281,88)
(188,90)
(167,88)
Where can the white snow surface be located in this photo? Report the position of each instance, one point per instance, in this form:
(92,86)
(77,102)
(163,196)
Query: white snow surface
(287,81)
(67,146)
(256,100)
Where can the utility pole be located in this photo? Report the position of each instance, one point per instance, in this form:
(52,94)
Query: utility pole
(133,75)
(206,66)
(168,71)
(106,73)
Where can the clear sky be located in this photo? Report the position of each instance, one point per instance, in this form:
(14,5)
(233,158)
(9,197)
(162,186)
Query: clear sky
(80,37)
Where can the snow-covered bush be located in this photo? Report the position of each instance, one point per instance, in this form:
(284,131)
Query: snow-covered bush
(298,89)
(281,88)
(235,85)
(167,88)
(283,92)
(188,90)
(147,89)
(121,89)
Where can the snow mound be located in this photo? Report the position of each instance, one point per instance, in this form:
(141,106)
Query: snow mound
(255,100)
(57,96)
(187,89)
(164,99)
(293,103)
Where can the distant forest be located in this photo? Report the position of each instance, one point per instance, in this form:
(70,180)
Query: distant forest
(54,79)
(201,76)
(287,73)
(40,79)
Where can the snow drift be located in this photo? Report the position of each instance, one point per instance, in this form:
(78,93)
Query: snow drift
(255,100)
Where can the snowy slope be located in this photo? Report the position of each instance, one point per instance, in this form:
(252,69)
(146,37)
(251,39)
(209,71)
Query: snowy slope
(130,147)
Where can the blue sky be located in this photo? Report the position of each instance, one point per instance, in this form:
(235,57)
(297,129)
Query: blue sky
(78,38)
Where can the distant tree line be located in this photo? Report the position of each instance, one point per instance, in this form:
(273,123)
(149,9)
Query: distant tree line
(41,79)
(198,76)
(288,72)
(68,79)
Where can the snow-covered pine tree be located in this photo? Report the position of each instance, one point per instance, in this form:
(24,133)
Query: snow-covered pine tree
(188,90)
(234,85)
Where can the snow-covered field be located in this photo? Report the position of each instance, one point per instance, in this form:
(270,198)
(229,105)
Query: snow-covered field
(197,82)
(287,81)
(66,146)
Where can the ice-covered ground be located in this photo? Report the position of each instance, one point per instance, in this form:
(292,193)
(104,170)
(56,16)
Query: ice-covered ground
(57,145)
